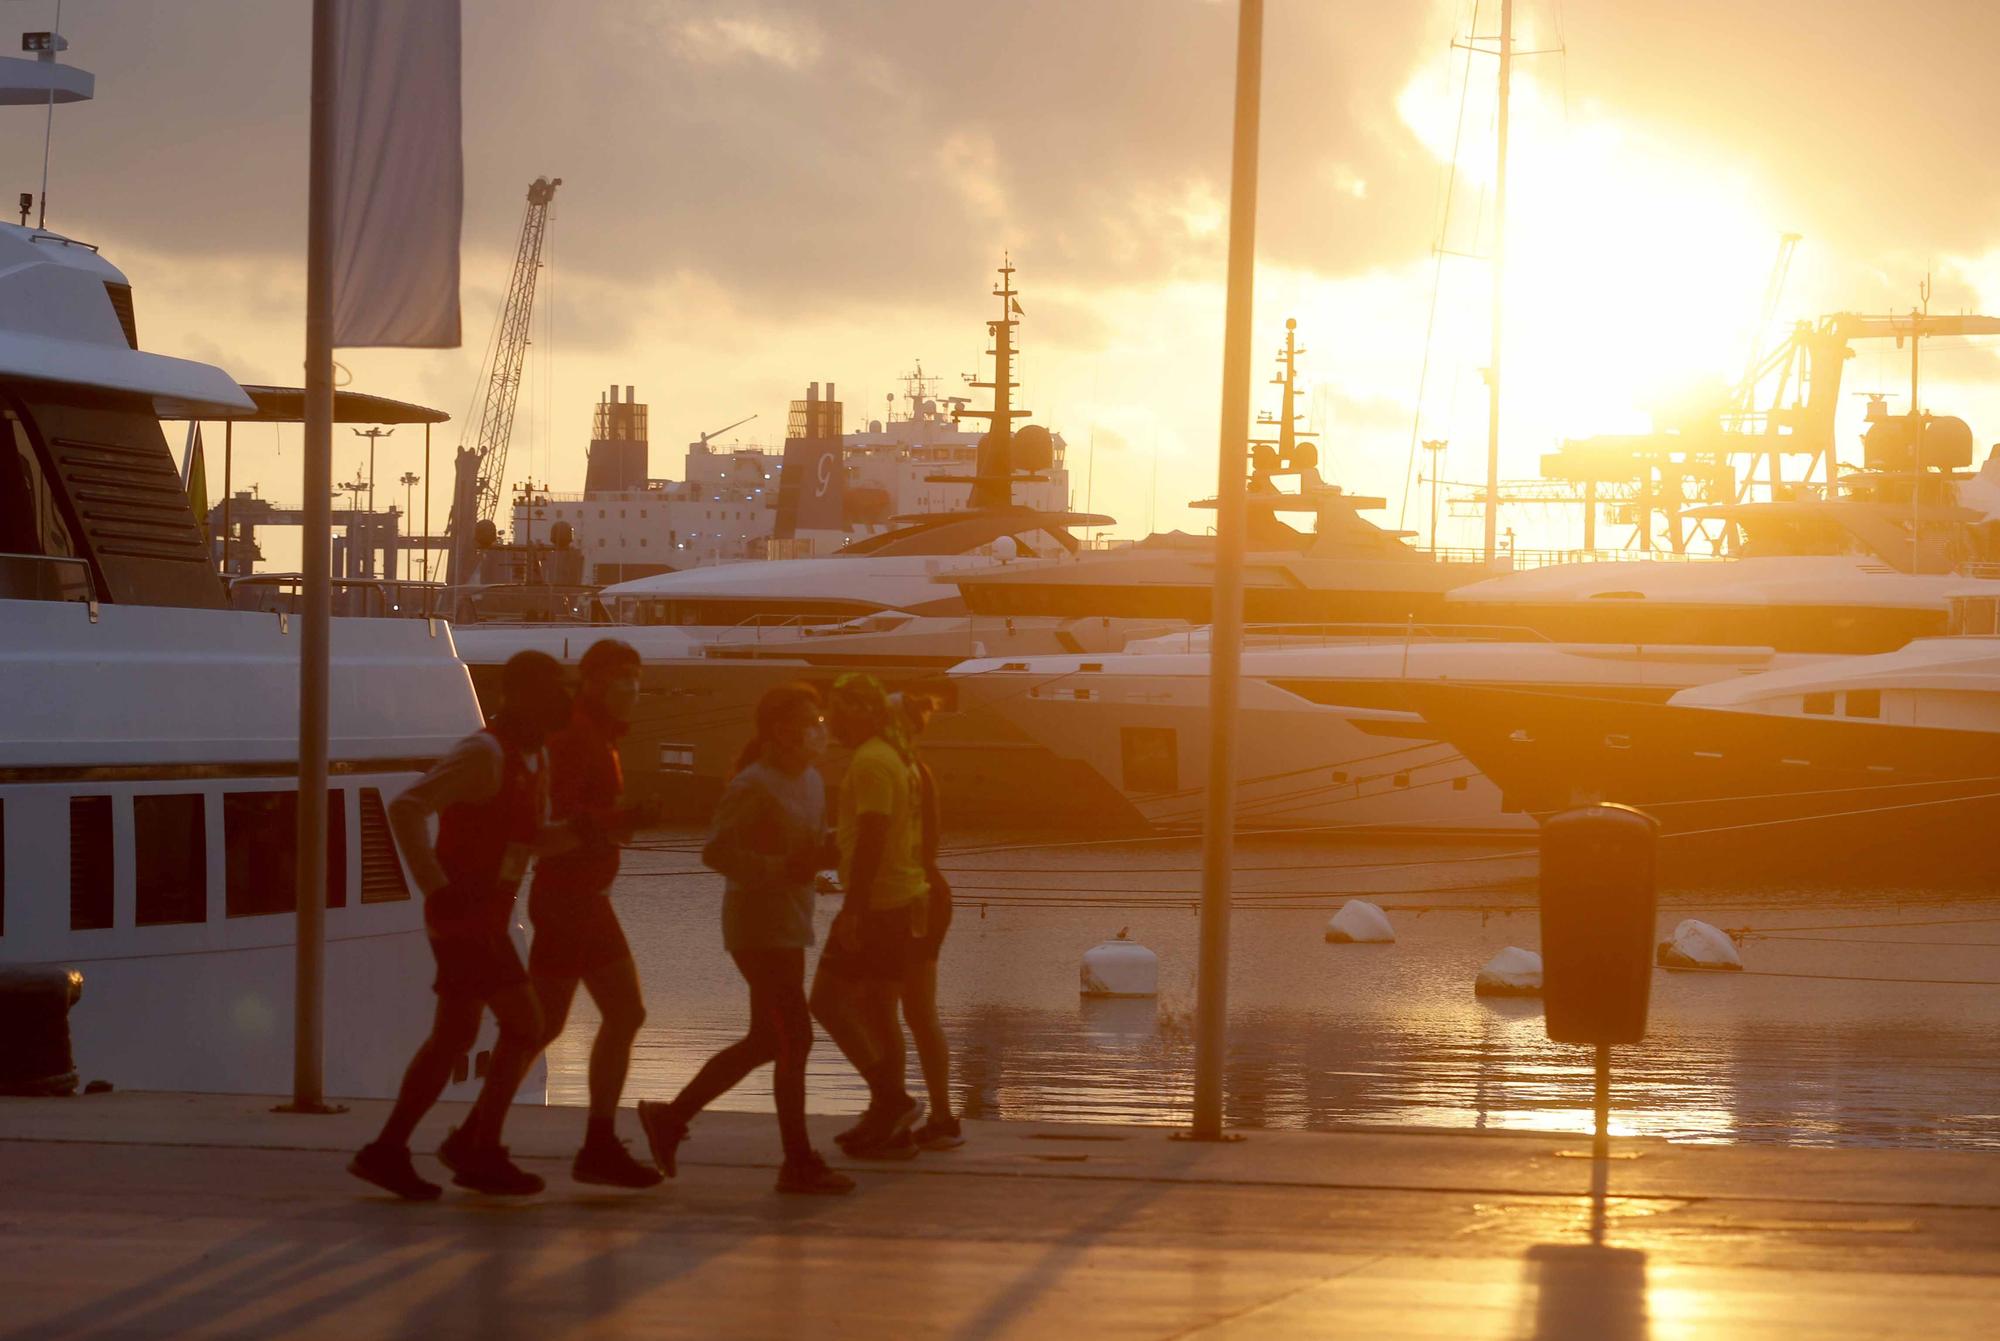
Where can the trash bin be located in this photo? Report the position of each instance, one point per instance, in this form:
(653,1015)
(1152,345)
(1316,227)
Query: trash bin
(1598,907)
(35,1055)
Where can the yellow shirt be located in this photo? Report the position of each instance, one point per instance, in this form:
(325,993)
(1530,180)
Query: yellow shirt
(879,782)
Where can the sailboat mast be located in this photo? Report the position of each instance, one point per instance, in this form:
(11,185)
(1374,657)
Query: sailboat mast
(1499,287)
(1287,430)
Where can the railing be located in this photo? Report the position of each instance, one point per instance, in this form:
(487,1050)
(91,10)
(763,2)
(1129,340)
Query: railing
(1520,560)
(1195,639)
(42,577)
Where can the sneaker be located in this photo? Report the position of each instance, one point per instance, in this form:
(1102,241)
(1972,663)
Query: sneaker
(811,1177)
(878,1126)
(609,1164)
(896,1145)
(939,1133)
(663,1134)
(389,1168)
(487,1169)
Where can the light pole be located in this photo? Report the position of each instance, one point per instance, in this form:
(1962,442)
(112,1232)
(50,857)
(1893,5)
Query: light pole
(409,483)
(374,435)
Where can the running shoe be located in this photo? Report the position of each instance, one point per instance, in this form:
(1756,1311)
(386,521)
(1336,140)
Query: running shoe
(810,1176)
(880,1127)
(898,1145)
(663,1134)
(486,1168)
(389,1168)
(609,1164)
(939,1133)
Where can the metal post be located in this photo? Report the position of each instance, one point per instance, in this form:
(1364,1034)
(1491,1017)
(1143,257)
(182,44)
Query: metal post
(315,600)
(228,452)
(1226,633)
(1499,289)
(427,510)
(1600,1143)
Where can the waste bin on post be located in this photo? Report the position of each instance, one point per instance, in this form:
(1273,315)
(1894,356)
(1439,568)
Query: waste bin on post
(35,1055)
(1598,904)
(1598,907)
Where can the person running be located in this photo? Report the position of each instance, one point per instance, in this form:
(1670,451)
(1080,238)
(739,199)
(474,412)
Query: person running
(940,1130)
(874,936)
(490,795)
(769,842)
(577,936)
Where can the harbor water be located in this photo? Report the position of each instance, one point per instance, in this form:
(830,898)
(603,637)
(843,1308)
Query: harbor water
(1866,1015)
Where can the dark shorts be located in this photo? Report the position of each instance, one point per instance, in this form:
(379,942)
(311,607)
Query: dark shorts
(883,952)
(575,935)
(932,941)
(476,966)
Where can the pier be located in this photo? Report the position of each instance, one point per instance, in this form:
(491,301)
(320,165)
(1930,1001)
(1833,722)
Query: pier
(135,1215)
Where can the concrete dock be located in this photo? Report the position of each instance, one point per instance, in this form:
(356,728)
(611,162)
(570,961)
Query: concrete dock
(134,1215)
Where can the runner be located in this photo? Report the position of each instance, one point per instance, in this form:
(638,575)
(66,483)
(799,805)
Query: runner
(940,1130)
(769,842)
(490,795)
(873,938)
(577,936)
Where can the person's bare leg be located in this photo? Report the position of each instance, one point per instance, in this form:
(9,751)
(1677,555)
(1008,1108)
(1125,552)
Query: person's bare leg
(837,1004)
(520,1020)
(453,1031)
(622,1009)
(927,1034)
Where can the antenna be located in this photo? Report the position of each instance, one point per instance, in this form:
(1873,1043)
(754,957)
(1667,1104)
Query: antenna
(46,47)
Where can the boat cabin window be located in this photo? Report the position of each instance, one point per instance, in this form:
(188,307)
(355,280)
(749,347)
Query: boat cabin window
(3,867)
(31,520)
(1819,705)
(1864,703)
(382,879)
(260,837)
(1794,534)
(169,859)
(89,863)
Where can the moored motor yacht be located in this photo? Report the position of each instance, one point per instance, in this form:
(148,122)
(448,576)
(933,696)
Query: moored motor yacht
(1880,767)
(148,731)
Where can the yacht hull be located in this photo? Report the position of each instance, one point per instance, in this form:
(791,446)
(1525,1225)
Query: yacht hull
(1747,795)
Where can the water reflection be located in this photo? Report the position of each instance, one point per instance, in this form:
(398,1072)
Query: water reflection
(1326,1036)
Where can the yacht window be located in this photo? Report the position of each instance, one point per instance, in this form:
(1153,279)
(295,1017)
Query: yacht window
(31,520)
(1864,703)
(169,859)
(260,835)
(381,869)
(3,867)
(89,863)
(1820,705)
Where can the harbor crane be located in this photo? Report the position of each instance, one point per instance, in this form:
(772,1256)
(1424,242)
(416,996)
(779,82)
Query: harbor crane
(482,460)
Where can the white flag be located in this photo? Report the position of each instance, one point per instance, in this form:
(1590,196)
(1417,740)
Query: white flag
(399,177)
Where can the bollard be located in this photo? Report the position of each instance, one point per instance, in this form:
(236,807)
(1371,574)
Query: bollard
(35,1054)
(1598,910)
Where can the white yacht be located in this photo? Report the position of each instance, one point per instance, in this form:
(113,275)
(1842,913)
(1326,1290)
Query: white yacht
(1329,734)
(1878,768)
(148,732)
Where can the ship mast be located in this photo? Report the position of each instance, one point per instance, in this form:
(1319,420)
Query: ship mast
(992,480)
(1286,420)
(1499,288)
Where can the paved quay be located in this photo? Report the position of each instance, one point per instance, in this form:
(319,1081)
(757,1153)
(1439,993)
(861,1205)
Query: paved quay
(200,1216)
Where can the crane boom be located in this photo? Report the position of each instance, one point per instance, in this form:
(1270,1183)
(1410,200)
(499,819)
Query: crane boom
(494,426)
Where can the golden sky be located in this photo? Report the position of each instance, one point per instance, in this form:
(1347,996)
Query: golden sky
(761,194)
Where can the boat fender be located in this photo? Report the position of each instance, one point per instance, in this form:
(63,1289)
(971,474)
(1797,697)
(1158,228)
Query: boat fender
(1512,972)
(1360,922)
(1119,967)
(1698,945)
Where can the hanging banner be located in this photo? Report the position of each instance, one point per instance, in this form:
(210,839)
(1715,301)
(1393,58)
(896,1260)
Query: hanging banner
(399,178)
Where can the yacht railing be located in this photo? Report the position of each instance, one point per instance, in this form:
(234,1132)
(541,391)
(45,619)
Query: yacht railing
(1520,560)
(44,577)
(1195,639)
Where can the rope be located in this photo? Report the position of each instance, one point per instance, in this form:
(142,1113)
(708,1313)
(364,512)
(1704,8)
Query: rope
(1846,977)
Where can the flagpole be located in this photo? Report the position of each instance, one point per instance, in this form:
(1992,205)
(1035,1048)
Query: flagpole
(1226,611)
(316,610)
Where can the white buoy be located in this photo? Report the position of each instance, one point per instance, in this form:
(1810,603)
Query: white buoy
(1360,922)
(1119,968)
(1697,945)
(1512,972)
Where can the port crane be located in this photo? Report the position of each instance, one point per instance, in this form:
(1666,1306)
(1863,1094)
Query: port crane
(482,462)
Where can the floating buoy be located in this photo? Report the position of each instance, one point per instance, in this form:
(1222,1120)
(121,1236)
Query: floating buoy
(1697,945)
(1360,922)
(1119,968)
(1512,972)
